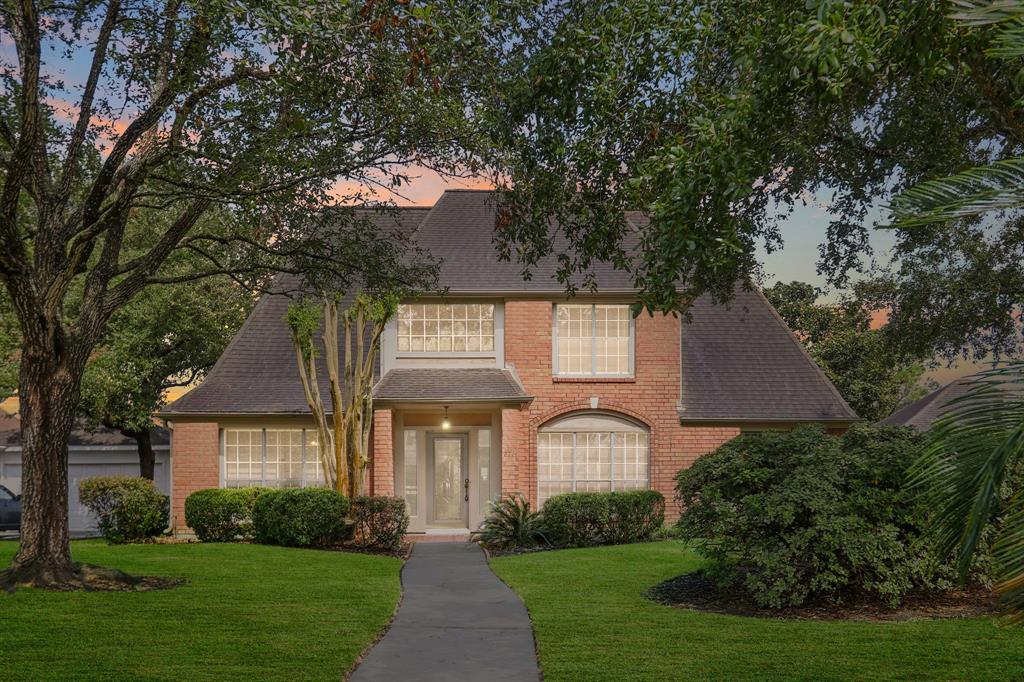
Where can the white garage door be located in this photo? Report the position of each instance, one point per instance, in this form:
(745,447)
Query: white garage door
(85,463)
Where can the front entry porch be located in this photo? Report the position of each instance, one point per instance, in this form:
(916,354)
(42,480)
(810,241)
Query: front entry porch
(447,465)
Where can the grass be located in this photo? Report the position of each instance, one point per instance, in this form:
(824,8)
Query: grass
(249,612)
(593,622)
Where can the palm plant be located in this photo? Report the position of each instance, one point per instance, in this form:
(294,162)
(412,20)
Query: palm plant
(971,453)
(511,525)
(978,442)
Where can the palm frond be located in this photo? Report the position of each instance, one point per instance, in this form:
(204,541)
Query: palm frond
(1008,552)
(986,12)
(967,194)
(960,473)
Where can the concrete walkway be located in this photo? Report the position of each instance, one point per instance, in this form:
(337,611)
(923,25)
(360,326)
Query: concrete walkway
(457,621)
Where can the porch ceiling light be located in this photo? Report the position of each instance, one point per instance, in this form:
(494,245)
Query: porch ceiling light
(446,423)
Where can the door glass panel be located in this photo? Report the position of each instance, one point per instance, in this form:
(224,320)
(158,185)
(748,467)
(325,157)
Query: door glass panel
(411,499)
(448,479)
(483,458)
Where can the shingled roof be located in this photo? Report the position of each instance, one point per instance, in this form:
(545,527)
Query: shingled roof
(81,436)
(740,362)
(924,412)
(450,384)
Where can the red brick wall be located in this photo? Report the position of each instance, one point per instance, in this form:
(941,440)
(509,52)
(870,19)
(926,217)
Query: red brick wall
(195,465)
(382,455)
(382,462)
(651,397)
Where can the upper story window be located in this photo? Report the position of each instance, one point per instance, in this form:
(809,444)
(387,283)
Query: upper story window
(446,328)
(593,340)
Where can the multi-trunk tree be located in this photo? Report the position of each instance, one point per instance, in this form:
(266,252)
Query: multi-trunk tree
(257,109)
(344,427)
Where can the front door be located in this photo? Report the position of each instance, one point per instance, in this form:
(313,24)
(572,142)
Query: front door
(447,480)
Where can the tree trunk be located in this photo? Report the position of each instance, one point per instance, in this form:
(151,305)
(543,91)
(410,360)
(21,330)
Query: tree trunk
(147,458)
(48,394)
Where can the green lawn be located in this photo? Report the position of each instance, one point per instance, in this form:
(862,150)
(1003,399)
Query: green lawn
(249,612)
(593,623)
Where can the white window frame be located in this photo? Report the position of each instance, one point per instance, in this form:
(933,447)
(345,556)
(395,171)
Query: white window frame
(629,374)
(627,427)
(497,323)
(305,481)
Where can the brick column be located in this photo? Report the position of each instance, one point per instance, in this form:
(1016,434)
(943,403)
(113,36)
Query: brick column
(195,465)
(382,463)
(515,453)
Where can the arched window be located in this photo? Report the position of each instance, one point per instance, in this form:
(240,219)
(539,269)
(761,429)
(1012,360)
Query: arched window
(591,451)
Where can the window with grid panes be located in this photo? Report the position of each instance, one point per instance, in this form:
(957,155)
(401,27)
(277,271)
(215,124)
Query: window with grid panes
(591,454)
(445,328)
(593,340)
(277,458)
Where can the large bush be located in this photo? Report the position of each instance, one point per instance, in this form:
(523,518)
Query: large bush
(301,517)
(585,519)
(128,508)
(222,514)
(510,524)
(380,522)
(798,516)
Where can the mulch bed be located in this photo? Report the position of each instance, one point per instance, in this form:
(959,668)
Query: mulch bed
(698,592)
(91,578)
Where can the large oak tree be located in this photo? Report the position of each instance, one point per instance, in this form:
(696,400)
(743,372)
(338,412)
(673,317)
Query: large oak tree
(257,108)
(715,118)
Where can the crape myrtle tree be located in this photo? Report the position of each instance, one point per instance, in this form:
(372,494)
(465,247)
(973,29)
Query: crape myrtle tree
(716,118)
(257,108)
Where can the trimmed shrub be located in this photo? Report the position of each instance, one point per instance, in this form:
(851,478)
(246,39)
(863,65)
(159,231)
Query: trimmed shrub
(380,522)
(587,519)
(634,515)
(222,514)
(128,508)
(301,517)
(511,525)
(801,516)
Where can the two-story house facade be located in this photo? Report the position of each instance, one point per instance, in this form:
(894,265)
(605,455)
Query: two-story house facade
(504,385)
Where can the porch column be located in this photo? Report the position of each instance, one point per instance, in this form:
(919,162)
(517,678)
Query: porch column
(382,464)
(515,454)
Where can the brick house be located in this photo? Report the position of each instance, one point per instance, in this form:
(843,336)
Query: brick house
(505,385)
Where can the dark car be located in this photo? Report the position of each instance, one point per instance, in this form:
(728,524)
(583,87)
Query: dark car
(10,510)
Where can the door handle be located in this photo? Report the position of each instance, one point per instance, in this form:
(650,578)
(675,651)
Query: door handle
(466,484)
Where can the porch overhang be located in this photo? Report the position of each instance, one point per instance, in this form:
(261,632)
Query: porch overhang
(450,386)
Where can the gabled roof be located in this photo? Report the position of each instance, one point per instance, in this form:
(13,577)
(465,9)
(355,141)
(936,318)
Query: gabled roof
(10,435)
(741,362)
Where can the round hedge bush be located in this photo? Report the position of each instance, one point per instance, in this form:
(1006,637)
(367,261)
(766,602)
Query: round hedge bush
(128,508)
(222,514)
(301,517)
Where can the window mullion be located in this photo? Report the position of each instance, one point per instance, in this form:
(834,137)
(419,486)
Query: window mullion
(593,338)
(611,461)
(573,466)
(263,457)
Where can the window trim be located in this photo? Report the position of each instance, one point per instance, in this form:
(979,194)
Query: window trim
(593,374)
(305,481)
(497,319)
(628,426)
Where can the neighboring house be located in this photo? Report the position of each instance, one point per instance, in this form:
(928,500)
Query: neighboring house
(924,412)
(506,386)
(91,452)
